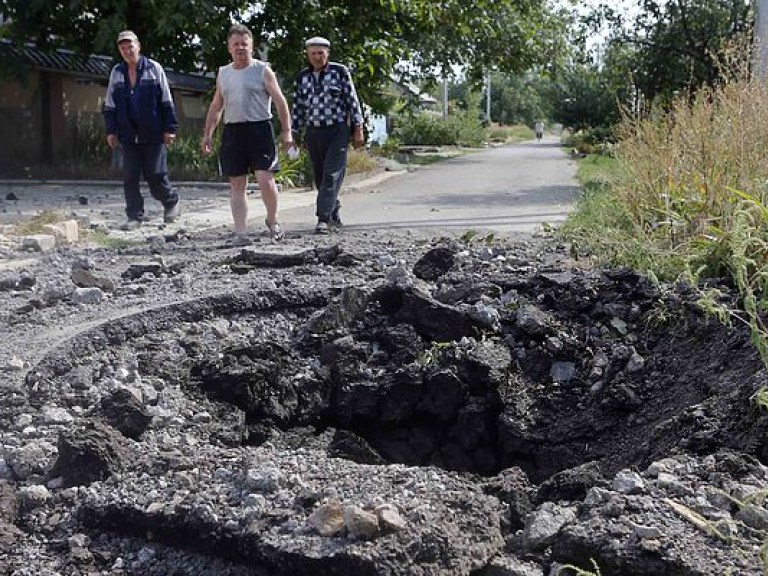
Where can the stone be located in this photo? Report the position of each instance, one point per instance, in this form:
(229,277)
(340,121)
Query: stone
(361,524)
(390,519)
(66,232)
(543,525)
(125,411)
(562,371)
(435,263)
(328,519)
(532,320)
(39,242)
(628,482)
(84,278)
(88,453)
(34,496)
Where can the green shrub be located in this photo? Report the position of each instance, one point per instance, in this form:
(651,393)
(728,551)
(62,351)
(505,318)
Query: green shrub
(294,173)
(425,130)
(470,130)
(593,141)
(187,162)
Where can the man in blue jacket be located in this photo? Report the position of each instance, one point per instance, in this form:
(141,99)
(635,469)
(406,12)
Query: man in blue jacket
(140,115)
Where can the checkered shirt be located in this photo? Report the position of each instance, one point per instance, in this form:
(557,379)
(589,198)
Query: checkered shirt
(327,100)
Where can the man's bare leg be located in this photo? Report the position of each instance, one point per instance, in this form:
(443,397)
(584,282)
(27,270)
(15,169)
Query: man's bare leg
(238,203)
(268,189)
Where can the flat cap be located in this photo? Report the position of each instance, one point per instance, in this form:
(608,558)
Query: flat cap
(318,41)
(127,35)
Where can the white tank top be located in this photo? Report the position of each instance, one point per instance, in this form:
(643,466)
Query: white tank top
(245,96)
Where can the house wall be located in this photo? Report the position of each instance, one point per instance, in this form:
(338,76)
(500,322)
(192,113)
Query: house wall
(56,118)
(21,119)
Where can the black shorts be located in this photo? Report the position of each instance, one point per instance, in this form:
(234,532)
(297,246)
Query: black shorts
(247,147)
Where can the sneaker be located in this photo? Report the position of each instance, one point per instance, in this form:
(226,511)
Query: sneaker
(322,227)
(170,214)
(276,231)
(130,224)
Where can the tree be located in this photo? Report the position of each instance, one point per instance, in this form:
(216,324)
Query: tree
(373,36)
(678,43)
(520,99)
(583,98)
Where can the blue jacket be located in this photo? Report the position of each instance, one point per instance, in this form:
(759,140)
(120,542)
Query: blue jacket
(156,112)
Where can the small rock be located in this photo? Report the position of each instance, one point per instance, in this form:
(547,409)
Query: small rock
(39,243)
(15,364)
(361,525)
(628,482)
(646,532)
(34,496)
(328,519)
(390,519)
(87,295)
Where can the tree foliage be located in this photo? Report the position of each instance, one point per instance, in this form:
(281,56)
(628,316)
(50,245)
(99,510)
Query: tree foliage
(678,44)
(585,98)
(520,99)
(374,37)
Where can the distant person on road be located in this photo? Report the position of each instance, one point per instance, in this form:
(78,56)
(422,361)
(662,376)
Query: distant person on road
(245,89)
(326,108)
(539,129)
(139,115)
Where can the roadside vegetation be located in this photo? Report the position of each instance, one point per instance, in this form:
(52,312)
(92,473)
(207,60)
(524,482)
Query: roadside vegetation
(684,194)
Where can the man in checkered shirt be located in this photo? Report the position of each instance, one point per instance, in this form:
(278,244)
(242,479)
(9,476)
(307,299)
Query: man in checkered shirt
(325,105)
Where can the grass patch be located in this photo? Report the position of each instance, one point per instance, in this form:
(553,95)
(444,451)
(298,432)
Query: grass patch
(359,161)
(107,241)
(603,228)
(426,159)
(509,134)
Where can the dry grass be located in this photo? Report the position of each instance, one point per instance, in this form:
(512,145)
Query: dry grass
(35,224)
(691,183)
(359,161)
(680,169)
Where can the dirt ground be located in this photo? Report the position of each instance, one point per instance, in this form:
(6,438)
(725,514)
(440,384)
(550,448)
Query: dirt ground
(182,405)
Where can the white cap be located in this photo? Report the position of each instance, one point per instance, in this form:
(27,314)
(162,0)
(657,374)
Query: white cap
(318,41)
(127,35)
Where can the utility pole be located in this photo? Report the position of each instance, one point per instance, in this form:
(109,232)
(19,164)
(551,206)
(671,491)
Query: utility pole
(760,63)
(488,96)
(445,95)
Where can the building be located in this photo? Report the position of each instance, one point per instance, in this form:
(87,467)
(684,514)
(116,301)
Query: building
(52,115)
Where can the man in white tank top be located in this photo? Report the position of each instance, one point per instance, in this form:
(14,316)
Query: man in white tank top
(245,90)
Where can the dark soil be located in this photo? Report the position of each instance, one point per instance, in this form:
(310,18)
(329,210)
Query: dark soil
(371,404)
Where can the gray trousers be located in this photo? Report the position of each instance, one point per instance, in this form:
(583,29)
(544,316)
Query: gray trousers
(327,147)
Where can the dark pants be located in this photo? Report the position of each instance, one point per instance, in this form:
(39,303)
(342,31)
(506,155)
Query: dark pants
(327,147)
(152,161)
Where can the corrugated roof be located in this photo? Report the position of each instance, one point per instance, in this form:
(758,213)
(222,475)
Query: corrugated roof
(93,66)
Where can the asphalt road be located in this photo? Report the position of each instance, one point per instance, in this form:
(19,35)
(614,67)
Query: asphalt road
(503,190)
